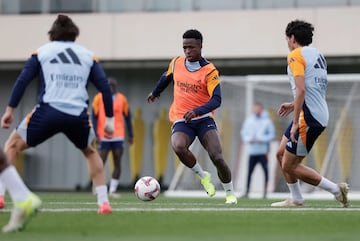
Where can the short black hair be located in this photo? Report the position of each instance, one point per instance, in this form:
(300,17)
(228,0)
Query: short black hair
(193,33)
(302,31)
(63,29)
(112,81)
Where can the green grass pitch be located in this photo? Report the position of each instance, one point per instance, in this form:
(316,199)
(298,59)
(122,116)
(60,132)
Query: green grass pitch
(72,216)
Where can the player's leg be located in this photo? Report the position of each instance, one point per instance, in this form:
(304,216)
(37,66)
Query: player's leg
(251,167)
(13,146)
(95,166)
(81,134)
(293,167)
(31,131)
(34,129)
(280,157)
(292,182)
(97,174)
(117,151)
(104,150)
(312,177)
(294,154)
(211,142)
(117,154)
(25,203)
(181,139)
(180,142)
(264,163)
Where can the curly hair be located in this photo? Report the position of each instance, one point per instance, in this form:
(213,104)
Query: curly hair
(193,33)
(302,31)
(63,29)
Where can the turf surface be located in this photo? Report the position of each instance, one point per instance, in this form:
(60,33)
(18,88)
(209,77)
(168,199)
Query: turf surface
(72,216)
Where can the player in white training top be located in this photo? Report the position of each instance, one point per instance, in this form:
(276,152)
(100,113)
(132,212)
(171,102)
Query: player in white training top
(307,70)
(64,69)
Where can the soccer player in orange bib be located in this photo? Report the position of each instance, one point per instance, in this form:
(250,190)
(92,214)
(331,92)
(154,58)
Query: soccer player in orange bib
(196,96)
(307,71)
(122,117)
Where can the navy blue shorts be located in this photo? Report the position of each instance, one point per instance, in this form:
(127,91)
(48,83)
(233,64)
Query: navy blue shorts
(45,121)
(305,136)
(111,145)
(195,127)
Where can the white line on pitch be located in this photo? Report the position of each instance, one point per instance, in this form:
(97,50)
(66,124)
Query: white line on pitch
(302,209)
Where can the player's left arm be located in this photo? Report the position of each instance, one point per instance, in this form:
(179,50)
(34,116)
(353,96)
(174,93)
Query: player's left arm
(214,90)
(128,122)
(98,78)
(95,112)
(297,65)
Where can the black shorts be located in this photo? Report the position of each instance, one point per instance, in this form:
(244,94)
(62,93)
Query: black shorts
(195,127)
(305,136)
(111,145)
(45,121)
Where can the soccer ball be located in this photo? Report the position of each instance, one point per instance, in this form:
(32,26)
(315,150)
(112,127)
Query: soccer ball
(147,188)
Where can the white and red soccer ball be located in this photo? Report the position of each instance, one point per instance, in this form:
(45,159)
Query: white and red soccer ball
(147,188)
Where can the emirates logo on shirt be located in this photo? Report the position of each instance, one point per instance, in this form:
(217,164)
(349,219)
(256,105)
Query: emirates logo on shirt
(187,87)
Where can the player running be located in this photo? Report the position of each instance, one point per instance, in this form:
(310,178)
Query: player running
(196,96)
(307,71)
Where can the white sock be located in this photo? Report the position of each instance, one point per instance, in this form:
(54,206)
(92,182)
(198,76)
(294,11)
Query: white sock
(2,189)
(295,191)
(13,183)
(329,186)
(198,170)
(229,188)
(113,185)
(101,192)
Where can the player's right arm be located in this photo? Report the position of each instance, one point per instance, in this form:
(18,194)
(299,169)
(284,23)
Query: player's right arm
(7,117)
(162,83)
(28,73)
